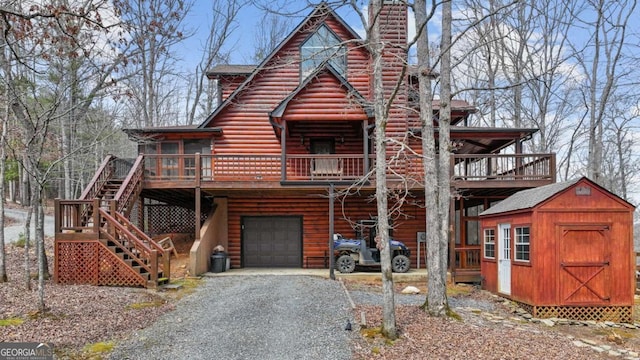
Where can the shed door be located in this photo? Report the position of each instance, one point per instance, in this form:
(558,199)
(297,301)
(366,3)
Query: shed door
(584,264)
(504,259)
(272,241)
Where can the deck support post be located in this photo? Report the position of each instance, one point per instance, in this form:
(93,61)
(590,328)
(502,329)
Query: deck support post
(365,147)
(452,240)
(332,275)
(154,266)
(283,147)
(198,212)
(166,264)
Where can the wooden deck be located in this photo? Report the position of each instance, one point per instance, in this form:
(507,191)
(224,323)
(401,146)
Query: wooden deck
(268,171)
(100,217)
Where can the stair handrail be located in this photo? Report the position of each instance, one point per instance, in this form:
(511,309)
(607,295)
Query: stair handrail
(99,178)
(131,187)
(141,236)
(113,227)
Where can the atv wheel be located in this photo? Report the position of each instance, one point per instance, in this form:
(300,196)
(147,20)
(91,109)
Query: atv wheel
(400,264)
(345,264)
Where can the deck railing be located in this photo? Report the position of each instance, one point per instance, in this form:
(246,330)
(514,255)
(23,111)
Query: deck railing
(114,226)
(131,187)
(104,173)
(483,167)
(317,167)
(468,257)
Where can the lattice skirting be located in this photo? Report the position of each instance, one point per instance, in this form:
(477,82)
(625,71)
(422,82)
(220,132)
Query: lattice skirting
(582,313)
(90,262)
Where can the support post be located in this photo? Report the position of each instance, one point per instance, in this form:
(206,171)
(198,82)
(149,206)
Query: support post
(96,216)
(283,155)
(154,266)
(332,275)
(365,147)
(112,211)
(198,169)
(452,240)
(198,212)
(58,215)
(166,264)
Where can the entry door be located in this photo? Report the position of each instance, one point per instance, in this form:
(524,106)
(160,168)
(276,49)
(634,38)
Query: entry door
(504,259)
(584,264)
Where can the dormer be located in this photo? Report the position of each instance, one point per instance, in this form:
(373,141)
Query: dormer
(228,77)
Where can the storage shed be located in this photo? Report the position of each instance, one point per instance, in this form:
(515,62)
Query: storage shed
(562,250)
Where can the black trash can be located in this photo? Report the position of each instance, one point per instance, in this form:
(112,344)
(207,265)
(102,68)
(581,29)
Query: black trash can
(218,262)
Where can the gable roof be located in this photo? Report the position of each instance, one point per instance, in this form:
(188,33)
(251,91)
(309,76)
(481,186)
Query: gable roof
(278,111)
(527,199)
(323,9)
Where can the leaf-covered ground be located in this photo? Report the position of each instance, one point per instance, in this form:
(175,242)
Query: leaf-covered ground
(77,315)
(477,336)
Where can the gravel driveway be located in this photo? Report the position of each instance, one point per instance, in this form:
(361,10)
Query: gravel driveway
(12,233)
(250,317)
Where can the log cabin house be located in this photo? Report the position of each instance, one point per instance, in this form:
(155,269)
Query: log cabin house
(254,177)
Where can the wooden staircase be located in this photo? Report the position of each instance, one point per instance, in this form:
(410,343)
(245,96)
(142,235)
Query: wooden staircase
(95,241)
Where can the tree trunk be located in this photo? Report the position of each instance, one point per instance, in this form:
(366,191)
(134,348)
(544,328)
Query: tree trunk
(27,241)
(389,329)
(3,159)
(43,264)
(436,288)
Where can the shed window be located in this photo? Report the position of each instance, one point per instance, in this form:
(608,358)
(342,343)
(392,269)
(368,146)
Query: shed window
(490,243)
(523,239)
(321,47)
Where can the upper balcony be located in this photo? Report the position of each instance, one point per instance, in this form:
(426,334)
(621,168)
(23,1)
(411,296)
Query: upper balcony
(256,170)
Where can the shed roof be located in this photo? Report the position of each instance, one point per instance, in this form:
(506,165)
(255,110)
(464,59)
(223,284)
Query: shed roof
(230,69)
(529,198)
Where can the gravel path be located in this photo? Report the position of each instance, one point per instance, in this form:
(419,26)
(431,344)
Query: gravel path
(361,297)
(252,317)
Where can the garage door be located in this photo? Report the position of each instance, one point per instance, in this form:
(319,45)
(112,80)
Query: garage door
(272,241)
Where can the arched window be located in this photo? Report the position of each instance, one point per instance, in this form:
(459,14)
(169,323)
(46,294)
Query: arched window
(323,46)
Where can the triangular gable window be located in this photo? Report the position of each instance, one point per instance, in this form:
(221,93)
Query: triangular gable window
(323,46)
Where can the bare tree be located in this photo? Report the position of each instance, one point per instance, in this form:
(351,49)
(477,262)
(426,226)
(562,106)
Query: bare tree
(31,36)
(602,63)
(222,25)
(381,110)
(437,237)
(269,35)
(155,28)
(3,158)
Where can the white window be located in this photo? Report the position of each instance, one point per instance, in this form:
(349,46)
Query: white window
(523,239)
(321,47)
(490,243)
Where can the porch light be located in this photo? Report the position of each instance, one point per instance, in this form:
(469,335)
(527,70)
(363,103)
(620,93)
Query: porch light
(301,140)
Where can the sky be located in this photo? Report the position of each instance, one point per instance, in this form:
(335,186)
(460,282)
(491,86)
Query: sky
(247,23)
(250,16)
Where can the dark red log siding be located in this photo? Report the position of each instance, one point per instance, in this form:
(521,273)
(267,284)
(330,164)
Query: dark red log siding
(245,122)
(347,136)
(229,83)
(324,98)
(315,213)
